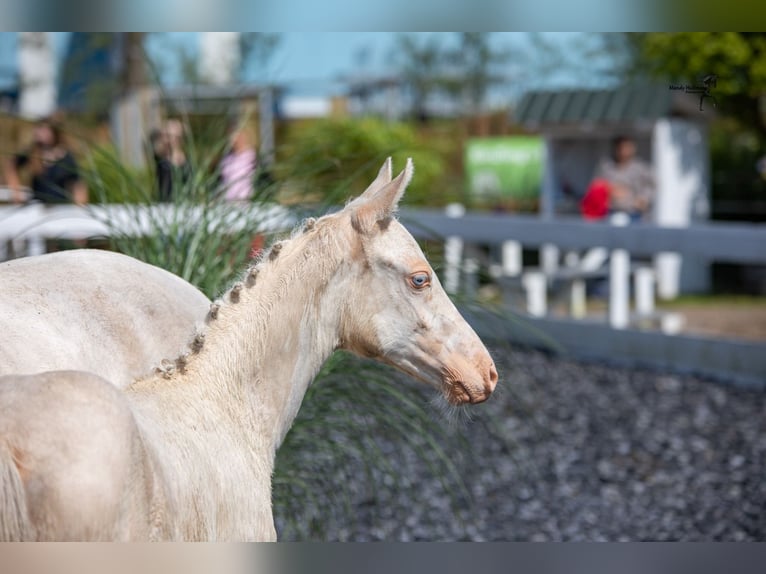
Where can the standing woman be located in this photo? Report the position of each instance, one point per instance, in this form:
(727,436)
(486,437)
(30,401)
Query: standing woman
(238,165)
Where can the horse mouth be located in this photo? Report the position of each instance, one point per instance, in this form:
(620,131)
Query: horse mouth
(459,393)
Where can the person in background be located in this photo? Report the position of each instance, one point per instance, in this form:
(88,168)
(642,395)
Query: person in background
(631,182)
(54,175)
(175,133)
(238,165)
(163,169)
(237,172)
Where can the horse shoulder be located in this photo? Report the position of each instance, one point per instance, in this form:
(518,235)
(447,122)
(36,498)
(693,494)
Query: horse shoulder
(218,483)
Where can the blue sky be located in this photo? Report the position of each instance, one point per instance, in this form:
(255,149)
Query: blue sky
(309,61)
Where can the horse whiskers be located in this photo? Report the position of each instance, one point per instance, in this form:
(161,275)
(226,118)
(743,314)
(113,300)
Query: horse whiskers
(456,417)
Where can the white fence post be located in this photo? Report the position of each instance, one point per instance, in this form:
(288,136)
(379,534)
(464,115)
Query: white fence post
(453,252)
(668,274)
(577,299)
(644,289)
(512,258)
(619,281)
(549,259)
(536,285)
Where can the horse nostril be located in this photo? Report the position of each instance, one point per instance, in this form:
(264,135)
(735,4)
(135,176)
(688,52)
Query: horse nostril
(492,378)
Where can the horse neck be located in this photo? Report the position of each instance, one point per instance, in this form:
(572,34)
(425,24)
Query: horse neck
(261,352)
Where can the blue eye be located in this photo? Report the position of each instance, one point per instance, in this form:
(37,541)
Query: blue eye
(420,280)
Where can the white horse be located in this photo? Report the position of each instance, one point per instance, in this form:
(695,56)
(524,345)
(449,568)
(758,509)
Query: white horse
(187,453)
(84,309)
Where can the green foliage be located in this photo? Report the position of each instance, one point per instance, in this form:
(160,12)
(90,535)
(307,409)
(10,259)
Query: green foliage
(738,59)
(737,189)
(334,158)
(197,236)
(115,183)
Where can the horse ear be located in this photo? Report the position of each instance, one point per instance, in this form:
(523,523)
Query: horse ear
(384,177)
(382,203)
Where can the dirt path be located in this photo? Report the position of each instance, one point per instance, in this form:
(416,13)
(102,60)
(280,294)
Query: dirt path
(735,320)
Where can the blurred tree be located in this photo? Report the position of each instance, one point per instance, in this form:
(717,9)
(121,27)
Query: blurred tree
(257,49)
(419,62)
(738,59)
(472,69)
(97,68)
(133,65)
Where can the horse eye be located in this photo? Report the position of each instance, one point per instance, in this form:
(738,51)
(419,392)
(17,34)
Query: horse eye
(419,280)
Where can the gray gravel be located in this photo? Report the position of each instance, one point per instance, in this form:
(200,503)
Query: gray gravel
(587,452)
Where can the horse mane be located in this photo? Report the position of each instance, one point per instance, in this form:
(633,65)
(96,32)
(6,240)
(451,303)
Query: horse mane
(232,296)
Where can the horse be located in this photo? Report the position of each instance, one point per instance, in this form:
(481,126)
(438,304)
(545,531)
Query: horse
(82,310)
(187,452)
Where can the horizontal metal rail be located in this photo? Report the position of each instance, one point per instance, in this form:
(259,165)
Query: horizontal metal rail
(724,242)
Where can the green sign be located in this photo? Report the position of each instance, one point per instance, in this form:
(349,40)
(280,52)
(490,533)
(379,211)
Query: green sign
(505,168)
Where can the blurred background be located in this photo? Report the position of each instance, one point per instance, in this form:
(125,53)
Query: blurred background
(594,203)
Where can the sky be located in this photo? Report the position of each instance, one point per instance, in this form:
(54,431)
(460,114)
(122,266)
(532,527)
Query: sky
(311,61)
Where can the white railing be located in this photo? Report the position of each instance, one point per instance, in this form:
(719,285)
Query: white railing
(589,250)
(29,226)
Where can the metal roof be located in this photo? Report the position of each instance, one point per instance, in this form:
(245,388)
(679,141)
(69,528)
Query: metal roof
(625,104)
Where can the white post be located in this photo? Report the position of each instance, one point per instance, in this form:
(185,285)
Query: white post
(512,258)
(577,299)
(619,281)
(668,275)
(35,245)
(219,57)
(644,289)
(549,259)
(37,74)
(453,252)
(672,323)
(535,284)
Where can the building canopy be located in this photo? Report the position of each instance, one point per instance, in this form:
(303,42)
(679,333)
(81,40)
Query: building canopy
(625,104)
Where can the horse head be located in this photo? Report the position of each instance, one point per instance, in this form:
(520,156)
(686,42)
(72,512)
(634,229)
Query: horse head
(396,310)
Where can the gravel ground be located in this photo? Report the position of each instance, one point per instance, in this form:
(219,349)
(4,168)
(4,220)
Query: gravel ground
(588,452)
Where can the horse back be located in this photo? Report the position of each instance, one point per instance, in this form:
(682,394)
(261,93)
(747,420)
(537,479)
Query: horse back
(94,311)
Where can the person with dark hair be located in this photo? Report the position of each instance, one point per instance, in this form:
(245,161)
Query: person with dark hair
(54,173)
(163,169)
(630,180)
